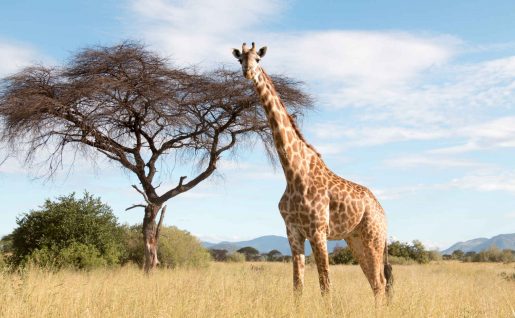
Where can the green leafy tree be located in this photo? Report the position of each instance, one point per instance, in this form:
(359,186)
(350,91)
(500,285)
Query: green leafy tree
(418,252)
(342,255)
(274,256)
(67,229)
(405,253)
(219,255)
(399,249)
(251,254)
(457,255)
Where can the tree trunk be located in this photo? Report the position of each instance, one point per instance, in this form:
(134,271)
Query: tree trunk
(151,235)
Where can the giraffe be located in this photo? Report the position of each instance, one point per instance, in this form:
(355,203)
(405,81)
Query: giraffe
(318,205)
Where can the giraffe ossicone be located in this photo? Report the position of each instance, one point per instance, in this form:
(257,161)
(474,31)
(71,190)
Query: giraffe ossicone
(318,205)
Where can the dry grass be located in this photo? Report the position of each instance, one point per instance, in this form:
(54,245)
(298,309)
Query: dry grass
(257,290)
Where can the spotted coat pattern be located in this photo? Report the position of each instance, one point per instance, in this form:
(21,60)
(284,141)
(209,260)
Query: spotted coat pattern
(318,205)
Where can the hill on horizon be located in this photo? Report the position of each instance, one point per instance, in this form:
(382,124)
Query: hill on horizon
(265,244)
(500,241)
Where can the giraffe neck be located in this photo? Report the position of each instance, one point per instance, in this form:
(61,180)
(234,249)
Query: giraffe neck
(289,142)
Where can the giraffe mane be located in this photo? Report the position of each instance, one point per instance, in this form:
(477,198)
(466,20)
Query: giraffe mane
(290,118)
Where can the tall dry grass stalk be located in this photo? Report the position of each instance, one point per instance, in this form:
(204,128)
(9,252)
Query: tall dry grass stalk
(257,290)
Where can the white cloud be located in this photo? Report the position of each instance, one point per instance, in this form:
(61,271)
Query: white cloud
(369,136)
(366,59)
(510,215)
(450,95)
(497,133)
(395,193)
(198,31)
(204,31)
(501,181)
(13,57)
(411,161)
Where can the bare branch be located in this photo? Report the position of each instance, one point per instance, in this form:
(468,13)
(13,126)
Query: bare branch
(142,193)
(135,206)
(161,217)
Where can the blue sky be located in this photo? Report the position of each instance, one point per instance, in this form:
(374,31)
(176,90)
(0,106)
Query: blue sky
(414,100)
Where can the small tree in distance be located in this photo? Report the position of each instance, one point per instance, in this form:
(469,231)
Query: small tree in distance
(131,106)
(273,255)
(251,254)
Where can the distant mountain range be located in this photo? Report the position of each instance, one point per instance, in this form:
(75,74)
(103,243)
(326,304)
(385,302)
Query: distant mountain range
(501,241)
(265,244)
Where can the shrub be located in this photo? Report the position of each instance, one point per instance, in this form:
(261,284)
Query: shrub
(434,255)
(236,257)
(176,248)
(457,255)
(414,251)
(507,256)
(74,256)
(342,256)
(219,255)
(399,260)
(3,263)
(68,229)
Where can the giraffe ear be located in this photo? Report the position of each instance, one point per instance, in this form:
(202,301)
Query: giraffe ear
(262,51)
(236,53)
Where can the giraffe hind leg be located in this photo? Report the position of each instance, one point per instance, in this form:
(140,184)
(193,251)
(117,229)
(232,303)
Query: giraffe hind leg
(370,258)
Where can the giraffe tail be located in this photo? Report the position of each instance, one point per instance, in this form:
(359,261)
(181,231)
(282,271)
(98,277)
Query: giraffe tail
(388,274)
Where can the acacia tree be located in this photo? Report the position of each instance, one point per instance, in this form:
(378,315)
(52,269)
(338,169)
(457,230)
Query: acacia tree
(130,105)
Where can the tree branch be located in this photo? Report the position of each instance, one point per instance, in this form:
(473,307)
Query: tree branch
(142,193)
(135,206)
(161,217)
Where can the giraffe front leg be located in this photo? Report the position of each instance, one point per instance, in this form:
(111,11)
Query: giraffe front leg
(319,247)
(298,259)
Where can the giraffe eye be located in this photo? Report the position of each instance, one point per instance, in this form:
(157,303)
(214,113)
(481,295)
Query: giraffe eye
(257,60)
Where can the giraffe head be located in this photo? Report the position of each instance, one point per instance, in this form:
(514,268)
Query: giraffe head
(249,59)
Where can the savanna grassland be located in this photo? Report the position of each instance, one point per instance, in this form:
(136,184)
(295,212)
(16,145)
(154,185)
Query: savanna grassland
(446,289)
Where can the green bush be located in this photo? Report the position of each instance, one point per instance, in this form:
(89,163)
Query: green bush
(81,256)
(414,251)
(236,257)
(493,254)
(176,248)
(74,256)
(342,255)
(399,260)
(3,263)
(79,231)
(434,255)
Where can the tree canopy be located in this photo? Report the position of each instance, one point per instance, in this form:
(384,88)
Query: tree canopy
(131,105)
